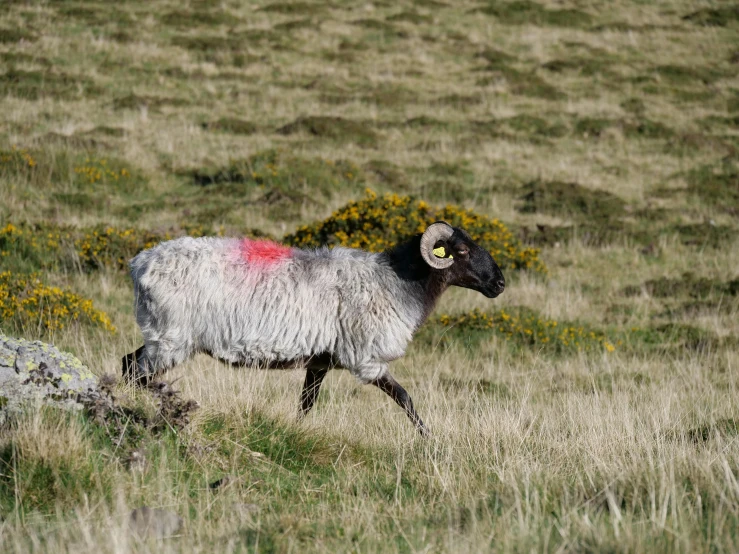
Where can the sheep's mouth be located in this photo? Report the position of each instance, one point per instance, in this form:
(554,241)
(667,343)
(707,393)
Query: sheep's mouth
(492,291)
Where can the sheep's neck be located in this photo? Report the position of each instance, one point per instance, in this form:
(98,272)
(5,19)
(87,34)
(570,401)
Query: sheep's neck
(432,289)
(422,284)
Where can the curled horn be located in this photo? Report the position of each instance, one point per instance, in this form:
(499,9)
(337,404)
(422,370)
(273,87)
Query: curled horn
(433,234)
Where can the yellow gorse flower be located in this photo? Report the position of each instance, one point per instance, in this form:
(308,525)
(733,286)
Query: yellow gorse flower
(96,170)
(376,223)
(94,248)
(528,328)
(25,300)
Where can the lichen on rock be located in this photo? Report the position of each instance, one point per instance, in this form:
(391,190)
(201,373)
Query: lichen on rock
(34,372)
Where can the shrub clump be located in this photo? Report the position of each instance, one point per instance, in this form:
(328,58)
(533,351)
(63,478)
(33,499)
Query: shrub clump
(49,247)
(113,247)
(526,329)
(377,223)
(26,301)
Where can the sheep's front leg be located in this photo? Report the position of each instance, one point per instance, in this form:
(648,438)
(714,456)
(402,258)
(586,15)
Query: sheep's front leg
(136,367)
(392,388)
(313,379)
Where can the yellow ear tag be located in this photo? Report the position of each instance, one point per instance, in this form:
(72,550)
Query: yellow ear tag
(440,252)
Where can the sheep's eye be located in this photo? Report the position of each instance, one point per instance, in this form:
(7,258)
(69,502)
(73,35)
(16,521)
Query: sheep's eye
(463,251)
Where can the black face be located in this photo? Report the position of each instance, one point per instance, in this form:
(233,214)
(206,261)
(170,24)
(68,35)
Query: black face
(473,267)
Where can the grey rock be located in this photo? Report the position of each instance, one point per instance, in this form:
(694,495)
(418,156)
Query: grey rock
(34,372)
(145,522)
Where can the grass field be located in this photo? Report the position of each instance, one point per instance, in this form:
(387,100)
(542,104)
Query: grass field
(593,407)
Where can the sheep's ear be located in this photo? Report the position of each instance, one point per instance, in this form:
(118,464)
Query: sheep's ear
(434,254)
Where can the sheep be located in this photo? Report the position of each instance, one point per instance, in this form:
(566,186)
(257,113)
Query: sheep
(255,302)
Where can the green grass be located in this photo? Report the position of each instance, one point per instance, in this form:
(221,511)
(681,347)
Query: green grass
(598,142)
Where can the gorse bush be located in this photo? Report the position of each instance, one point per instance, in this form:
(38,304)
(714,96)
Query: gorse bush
(524,328)
(113,247)
(35,247)
(373,223)
(49,247)
(27,302)
(376,223)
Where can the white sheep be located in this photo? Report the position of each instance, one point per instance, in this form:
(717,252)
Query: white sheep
(256,302)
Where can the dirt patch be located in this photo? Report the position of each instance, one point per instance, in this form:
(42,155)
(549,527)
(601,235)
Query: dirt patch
(333,128)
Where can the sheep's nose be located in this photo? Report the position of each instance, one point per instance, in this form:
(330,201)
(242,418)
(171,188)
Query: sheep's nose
(500,283)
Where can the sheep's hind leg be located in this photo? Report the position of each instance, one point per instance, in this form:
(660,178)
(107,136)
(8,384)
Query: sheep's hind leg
(316,370)
(392,388)
(313,379)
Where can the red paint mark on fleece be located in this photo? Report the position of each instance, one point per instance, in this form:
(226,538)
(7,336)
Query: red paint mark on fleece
(264,252)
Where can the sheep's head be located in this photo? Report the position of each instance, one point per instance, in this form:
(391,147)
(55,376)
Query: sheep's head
(464,263)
